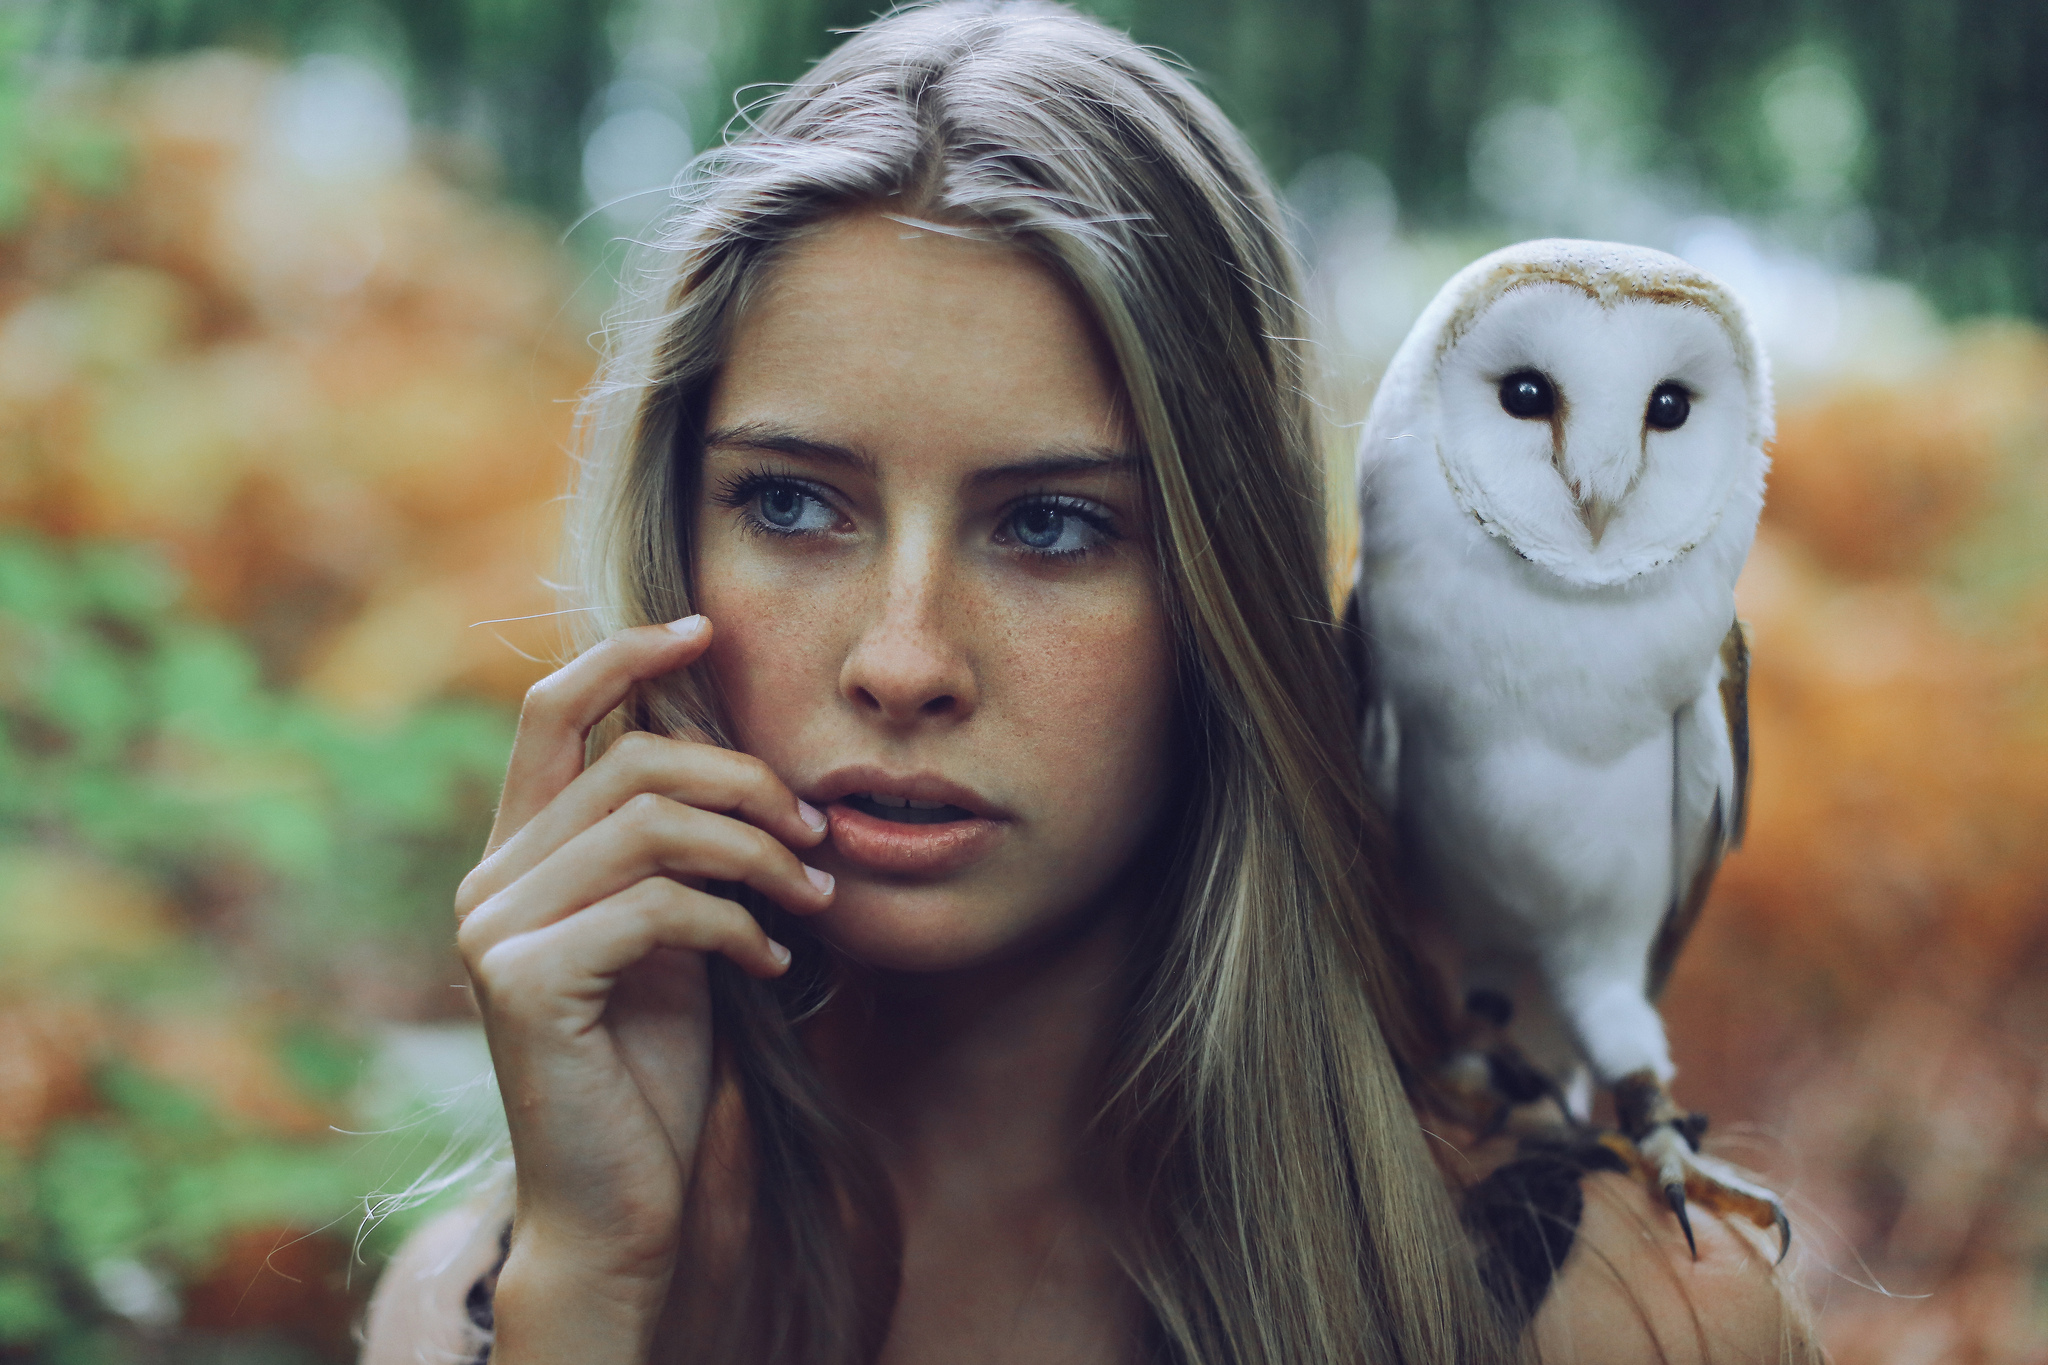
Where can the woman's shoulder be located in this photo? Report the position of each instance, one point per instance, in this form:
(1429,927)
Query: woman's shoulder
(1630,1290)
(422,1312)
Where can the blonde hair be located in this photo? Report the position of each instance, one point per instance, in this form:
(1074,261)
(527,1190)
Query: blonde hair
(1277,1201)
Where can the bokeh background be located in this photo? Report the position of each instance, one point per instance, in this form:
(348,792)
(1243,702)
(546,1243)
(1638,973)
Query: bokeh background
(296,297)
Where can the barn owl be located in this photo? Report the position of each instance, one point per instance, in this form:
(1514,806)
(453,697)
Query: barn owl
(1559,481)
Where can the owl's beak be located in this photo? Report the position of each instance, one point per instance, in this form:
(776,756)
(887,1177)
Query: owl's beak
(1596,512)
(1597,484)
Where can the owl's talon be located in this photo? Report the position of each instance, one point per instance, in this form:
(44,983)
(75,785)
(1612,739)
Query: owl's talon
(1660,1142)
(1665,1149)
(1713,1184)
(1674,1195)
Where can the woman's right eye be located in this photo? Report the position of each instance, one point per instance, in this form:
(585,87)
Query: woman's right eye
(787,507)
(780,506)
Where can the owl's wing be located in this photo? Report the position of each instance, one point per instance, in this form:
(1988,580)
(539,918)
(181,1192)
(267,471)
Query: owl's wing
(1710,795)
(1379,740)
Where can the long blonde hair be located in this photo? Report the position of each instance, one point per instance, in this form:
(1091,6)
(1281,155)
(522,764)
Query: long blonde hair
(1277,1203)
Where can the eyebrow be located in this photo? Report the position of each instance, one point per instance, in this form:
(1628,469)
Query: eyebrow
(778,440)
(1058,460)
(1049,462)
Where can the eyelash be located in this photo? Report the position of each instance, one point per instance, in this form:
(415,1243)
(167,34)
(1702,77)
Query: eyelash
(1066,505)
(740,492)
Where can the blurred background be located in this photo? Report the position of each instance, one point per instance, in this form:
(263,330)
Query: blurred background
(296,297)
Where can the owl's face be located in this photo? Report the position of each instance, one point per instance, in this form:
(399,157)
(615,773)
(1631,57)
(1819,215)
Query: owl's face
(1599,438)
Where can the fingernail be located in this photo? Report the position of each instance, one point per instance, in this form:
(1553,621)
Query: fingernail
(813,817)
(779,953)
(821,880)
(689,627)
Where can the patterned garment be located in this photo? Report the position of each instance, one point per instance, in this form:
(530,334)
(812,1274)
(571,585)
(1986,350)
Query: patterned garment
(478,1300)
(1525,1217)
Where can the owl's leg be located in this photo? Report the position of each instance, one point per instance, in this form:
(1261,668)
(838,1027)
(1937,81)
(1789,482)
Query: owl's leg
(1663,1147)
(1578,1095)
(1624,1039)
(1491,1076)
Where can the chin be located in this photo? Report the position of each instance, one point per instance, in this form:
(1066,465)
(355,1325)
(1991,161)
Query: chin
(927,929)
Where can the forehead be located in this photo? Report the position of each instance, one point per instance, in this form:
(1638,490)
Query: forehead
(1558,325)
(883,335)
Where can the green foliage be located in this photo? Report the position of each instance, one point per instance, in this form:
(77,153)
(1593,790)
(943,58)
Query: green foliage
(529,67)
(29,1311)
(160,1180)
(150,739)
(137,738)
(38,142)
(149,1188)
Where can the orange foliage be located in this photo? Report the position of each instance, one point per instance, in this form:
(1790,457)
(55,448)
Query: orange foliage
(1865,997)
(1880,475)
(49,1048)
(46,1049)
(294,1283)
(1900,775)
(66,915)
(230,1060)
(344,406)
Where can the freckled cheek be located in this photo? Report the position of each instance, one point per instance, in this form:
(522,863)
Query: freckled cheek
(1090,694)
(773,654)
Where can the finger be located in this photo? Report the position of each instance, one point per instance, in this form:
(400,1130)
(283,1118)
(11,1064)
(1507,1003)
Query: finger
(649,836)
(561,708)
(579,958)
(699,775)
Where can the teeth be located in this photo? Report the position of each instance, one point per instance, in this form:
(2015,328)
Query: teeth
(887,801)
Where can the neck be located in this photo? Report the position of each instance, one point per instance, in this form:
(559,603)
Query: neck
(990,1066)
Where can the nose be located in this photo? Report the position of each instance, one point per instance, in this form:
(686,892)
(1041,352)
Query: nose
(908,664)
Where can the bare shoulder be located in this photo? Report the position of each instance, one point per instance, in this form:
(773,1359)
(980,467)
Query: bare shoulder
(418,1314)
(1631,1292)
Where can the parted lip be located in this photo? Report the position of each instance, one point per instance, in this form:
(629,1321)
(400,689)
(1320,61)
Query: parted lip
(844,782)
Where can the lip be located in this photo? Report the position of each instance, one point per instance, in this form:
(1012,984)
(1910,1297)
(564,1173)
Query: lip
(841,783)
(891,849)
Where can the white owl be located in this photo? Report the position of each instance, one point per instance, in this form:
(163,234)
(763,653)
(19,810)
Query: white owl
(1559,482)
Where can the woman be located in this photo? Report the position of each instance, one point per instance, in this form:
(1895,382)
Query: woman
(971,950)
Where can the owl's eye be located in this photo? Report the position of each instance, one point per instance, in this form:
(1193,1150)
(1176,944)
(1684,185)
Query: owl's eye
(1526,393)
(1670,405)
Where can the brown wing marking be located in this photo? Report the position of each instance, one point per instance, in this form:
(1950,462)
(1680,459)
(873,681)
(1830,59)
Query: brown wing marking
(1735,706)
(1725,826)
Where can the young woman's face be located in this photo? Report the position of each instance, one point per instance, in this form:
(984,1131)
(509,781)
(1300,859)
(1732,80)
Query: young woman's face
(921,541)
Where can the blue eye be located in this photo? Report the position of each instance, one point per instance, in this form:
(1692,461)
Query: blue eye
(778,506)
(783,506)
(1057,527)
(1039,527)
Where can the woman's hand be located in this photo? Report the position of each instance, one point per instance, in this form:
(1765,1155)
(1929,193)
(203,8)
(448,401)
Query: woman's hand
(585,931)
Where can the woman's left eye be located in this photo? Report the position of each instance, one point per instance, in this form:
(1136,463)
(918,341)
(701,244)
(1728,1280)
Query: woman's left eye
(1057,527)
